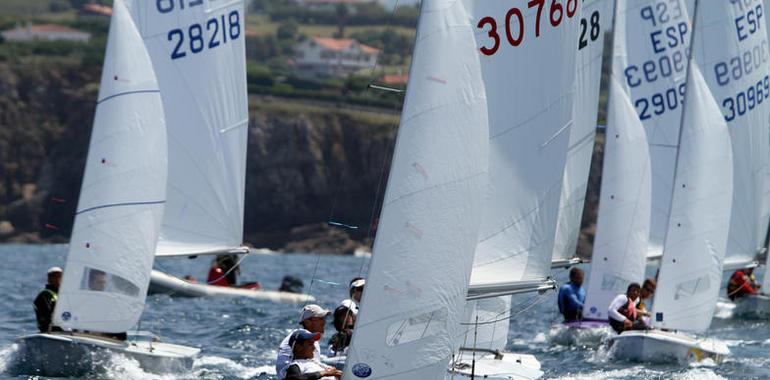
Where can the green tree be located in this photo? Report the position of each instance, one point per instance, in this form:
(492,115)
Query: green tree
(287,30)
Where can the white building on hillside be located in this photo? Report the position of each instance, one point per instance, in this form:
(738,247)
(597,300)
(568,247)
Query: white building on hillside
(338,57)
(45,32)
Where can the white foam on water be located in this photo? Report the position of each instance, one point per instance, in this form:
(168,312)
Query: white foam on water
(624,373)
(231,368)
(539,338)
(119,366)
(7,355)
(697,374)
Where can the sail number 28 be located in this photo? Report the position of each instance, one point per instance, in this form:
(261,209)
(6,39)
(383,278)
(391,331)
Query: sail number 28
(514,22)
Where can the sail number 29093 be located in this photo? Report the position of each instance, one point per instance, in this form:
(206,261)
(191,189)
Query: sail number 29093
(514,22)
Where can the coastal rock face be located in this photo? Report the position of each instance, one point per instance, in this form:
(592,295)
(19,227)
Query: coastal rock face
(307,163)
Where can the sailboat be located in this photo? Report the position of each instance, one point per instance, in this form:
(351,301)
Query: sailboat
(590,47)
(530,91)
(622,231)
(408,326)
(696,238)
(198,51)
(117,224)
(747,120)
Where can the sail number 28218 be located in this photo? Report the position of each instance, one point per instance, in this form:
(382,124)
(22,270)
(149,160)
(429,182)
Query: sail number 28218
(214,32)
(514,27)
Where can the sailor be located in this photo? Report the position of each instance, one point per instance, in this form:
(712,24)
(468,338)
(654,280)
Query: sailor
(742,283)
(46,301)
(313,319)
(97,280)
(304,365)
(224,271)
(356,290)
(648,290)
(344,321)
(622,311)
(572,296)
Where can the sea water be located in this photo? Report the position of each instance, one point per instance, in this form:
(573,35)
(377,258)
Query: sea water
(238,337)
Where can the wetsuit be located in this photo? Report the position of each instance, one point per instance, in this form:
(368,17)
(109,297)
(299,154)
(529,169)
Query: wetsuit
(44,306)
(571,298)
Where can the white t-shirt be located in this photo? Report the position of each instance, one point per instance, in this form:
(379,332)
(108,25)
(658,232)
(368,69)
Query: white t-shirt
(616,304)
(285,356)
(350,304)
(309,366)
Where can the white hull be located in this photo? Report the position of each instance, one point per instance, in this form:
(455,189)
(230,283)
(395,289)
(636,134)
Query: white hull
(655,346)
(757,306)
(161,283)
(494,365)
(77,355)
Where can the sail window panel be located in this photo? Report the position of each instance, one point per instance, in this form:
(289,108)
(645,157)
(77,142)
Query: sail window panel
(97,280)
(416,328)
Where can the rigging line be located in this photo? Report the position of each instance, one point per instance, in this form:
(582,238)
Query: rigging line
(388,30)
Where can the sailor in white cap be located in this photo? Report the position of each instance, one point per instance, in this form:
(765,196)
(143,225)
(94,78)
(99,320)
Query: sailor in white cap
(312,318)
(356,291)
(46,301)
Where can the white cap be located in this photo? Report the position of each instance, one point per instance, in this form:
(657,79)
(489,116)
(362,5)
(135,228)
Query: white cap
(54,270)
(310,311)
(357,283)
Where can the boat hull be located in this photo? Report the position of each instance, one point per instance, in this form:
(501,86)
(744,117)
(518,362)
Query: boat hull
(495,366)
(162,283)
(752,307)
(76,355)
(655,346)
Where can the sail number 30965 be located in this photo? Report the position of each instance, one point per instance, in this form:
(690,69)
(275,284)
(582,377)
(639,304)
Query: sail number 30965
(514,22)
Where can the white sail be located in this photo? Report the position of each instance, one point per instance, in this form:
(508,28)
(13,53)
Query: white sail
(409,322)
(620,247)
(198,50)
(735,31)
(691,267)
(487,322)
(657,38)
(121,199)
(595,16)
(530,107)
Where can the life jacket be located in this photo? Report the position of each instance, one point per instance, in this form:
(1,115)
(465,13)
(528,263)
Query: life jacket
(217,277)
(628,310)
(54,295)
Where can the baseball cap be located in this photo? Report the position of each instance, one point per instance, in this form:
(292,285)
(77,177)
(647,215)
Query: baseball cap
(357,283)
(302,335)
(54,270)
(310,311)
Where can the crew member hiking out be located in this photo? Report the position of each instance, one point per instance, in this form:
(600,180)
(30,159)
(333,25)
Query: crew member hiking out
(46,301)
(571,296)
(623,315)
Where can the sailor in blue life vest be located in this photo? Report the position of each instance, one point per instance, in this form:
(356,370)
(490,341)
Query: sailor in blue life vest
(46,301)
(622,312)
(304,365)
(313,319)
(572,296)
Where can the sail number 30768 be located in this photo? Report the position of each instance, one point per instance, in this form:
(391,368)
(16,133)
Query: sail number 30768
(514,22)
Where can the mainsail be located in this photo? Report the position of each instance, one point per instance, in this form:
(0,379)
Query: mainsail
(593,21)
(198,51)
(121,199)
(737,71)
(695,243)
(423,253)
(656,68)
(622,230)
(529,92)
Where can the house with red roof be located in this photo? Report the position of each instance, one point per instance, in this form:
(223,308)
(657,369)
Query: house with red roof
(333,57)
(92,11)
(45,32)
